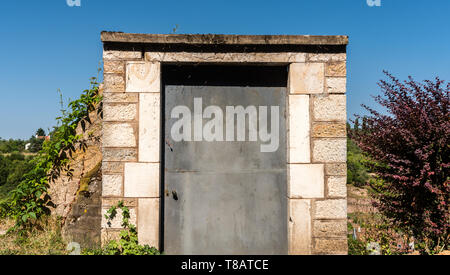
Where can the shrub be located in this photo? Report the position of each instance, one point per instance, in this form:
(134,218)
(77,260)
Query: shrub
(409,149)
(356,247)
(128,241)
(356,171)
(13,167)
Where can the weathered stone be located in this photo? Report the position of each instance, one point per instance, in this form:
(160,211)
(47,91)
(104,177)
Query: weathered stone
(337,186)
(331,209)
(119,112)
(336,169)
(299,128)
(329,108)
(116,67)
(83,222)
(112,167)
(330,229)
(148,225)
(128,202)
(329,129)
(112,185)
(326,57)
(120,97)
(73,248)
(119,154)
(116,223)
(223,39)
(254,57)
(143,77)
(329,150)
(149,127)
(85,165)
(121,55)
(118,135)
(108,235)
(306,181)
(306,78)
(114,83)
(374,248)
(336,69)
(299,227)
(331,246)
(141,180)
(91,131)
(77,199)
(336,85)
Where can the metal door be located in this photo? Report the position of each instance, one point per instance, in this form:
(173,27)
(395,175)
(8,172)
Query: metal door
(223,197)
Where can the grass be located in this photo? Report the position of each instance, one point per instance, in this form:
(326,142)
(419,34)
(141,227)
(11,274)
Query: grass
(26,154)
(44,238)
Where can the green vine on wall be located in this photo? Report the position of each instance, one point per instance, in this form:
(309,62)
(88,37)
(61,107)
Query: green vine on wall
(30,200)
(128,241)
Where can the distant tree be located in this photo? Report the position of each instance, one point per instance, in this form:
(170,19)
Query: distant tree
(16,156)
(357,174)
(356,171)
(409,147)
(17,171)
(35,145)
(12,145)
(3,170)
(40,132)
(13,169)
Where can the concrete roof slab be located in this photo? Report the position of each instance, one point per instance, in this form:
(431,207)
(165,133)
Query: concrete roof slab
(222,39)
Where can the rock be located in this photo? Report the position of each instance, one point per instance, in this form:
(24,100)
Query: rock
(373,248)
(74,248)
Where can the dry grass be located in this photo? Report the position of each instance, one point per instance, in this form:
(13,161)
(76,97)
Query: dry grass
(44,239)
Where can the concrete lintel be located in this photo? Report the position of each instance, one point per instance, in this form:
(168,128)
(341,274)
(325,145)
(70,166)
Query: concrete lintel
(209,39)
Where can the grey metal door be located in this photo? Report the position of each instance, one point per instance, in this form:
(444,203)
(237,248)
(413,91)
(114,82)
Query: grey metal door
(223,197)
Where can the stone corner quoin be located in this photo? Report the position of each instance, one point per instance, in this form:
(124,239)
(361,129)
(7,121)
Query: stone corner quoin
(316,131)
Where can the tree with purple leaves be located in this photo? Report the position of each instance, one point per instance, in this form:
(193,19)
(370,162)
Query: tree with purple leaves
(409,151)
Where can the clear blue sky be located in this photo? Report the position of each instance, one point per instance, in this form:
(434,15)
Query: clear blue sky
(46,45)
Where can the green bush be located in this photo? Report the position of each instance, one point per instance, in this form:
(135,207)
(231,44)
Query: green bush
(12,145)
(356,171)
(13,167)
(356,247)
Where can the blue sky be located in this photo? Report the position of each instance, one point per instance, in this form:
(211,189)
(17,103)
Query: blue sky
(46,45)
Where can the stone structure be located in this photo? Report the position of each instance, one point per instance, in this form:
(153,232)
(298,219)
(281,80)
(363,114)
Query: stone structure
(78,198)
(316,154)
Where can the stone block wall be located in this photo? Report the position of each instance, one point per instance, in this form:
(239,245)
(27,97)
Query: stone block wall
(317,204)
(317,155)
(131,145)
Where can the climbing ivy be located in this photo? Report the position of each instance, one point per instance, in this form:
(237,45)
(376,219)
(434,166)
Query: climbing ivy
(128,241)
(30,200)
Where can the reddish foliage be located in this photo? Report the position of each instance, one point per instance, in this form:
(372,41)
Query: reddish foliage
(409,147)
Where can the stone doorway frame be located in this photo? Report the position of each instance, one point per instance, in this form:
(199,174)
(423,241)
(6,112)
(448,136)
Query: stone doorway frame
(316,138)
